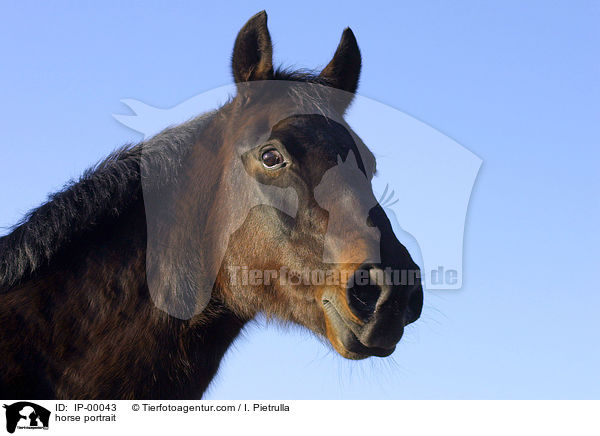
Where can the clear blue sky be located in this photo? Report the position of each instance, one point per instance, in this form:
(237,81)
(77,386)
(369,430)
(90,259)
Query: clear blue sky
(517,84)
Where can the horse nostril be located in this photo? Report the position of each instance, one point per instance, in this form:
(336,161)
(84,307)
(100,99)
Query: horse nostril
(362,294)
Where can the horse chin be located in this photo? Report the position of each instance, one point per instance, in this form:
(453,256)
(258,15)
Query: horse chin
(343,338)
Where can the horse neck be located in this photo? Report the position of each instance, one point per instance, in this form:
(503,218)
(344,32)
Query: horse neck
(101,321)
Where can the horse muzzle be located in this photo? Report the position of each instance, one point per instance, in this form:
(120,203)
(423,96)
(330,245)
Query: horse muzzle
(369,319)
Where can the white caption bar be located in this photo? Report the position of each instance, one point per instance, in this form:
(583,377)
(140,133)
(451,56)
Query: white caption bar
(306,417)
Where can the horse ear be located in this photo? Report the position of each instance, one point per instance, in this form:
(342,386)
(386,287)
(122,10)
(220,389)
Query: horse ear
(253,52)
(343,71)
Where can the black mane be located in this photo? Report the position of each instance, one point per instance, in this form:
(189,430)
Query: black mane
(108,188)
(300,75)
(101,194)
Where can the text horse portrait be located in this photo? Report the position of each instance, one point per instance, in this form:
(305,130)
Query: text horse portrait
(133,281)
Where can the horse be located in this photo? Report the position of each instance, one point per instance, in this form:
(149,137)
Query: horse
(133,281)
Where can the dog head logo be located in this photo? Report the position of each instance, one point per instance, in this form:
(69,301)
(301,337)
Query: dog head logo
(26,415)
(423,183)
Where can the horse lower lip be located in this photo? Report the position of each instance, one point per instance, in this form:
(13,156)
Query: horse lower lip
(352,343)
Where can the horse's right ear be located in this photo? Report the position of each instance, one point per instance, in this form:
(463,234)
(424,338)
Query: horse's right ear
(252,57)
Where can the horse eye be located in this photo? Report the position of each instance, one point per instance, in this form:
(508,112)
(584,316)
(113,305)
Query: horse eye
(272,158)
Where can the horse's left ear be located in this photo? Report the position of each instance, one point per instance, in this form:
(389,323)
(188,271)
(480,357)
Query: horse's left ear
(343,71)
(252,57)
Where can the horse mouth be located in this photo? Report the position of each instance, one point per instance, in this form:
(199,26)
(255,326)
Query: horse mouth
(343,338)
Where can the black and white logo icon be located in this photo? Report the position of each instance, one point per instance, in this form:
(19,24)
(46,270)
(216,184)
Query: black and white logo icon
(26,415)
